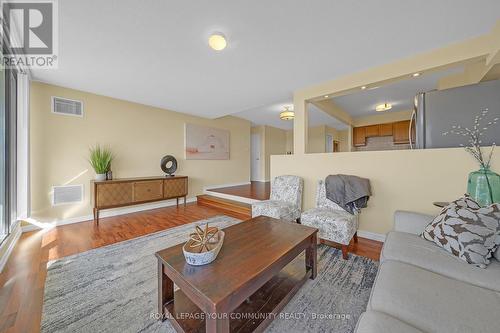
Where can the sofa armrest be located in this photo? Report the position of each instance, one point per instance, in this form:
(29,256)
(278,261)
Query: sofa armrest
(411,222)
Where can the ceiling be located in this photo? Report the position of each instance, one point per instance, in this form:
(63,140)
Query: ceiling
(401,94)
(155,52)
(270,115)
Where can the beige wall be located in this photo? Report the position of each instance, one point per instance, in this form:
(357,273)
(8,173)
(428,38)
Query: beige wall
(333,132)
(273,142)
(138,135)
(289,141)
(341,137)
(401,180)
(344,137)
(382,118)
(276,141)
(317,139)
(261,132)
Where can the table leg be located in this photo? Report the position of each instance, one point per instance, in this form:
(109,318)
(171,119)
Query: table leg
(177,201)
(312,256)
(165,290)
(184,202)
(96,216)
(217,323)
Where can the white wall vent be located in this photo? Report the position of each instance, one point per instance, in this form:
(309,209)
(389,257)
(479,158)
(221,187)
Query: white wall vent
(62,195)
(68,107)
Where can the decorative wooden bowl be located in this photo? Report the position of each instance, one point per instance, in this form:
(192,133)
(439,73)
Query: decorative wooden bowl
(196,258)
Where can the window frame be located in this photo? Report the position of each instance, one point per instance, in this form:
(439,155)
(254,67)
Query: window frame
(10,167)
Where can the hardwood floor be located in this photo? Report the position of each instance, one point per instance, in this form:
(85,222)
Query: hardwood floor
(23,278)
(254,190)
(364,247)
(237,209)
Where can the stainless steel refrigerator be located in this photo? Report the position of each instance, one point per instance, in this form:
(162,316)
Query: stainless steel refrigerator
(437,111)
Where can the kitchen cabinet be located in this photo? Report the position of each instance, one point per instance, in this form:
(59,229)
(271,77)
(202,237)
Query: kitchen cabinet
(359,136)
(400,131)
(385,129)
(372,130)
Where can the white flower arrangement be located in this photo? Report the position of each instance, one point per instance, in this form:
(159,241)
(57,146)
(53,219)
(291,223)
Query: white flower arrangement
(475,134)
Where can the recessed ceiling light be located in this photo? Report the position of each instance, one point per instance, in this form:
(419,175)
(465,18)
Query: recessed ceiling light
(326,96)
(383,107)
(415,74)
(217,41)
(363,87)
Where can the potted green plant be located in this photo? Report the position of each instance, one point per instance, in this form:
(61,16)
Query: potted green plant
(483,185)
(100,160)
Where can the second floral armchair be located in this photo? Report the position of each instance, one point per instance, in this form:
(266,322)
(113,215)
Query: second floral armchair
(285,200)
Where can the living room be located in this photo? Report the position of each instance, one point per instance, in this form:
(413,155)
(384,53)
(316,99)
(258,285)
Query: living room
(203,184)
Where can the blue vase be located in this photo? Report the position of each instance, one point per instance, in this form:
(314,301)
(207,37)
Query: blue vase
(484,186)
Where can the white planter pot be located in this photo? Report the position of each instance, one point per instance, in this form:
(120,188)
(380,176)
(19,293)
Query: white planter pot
(100,177)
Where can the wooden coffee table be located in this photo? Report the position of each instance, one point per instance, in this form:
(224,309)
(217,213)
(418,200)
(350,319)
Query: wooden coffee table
(252,279)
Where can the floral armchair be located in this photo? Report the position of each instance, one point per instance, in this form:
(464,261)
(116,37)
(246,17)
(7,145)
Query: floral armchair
(333,222)
(286,199)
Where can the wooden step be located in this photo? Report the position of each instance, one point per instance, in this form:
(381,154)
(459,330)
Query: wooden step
(233,208)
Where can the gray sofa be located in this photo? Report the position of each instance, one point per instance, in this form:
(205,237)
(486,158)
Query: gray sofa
(422,288)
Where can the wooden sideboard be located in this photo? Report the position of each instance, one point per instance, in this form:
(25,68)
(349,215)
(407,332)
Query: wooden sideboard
(132,191)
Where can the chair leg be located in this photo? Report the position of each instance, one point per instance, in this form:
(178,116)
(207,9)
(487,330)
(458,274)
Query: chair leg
(355,237)
(344,251)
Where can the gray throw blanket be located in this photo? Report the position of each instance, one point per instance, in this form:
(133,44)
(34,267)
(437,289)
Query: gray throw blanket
(349,192)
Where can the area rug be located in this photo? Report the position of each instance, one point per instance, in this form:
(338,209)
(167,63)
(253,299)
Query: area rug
(114,289)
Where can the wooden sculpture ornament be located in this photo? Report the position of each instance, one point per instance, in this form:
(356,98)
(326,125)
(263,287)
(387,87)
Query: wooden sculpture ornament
(203,246)
(204,240)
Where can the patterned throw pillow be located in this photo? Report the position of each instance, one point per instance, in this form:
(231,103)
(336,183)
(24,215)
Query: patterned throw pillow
(466,230)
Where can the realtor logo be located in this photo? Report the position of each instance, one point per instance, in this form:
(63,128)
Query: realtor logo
(30,30)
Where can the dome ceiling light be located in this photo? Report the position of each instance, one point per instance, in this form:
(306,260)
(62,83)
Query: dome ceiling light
(287,114)
(383,107)
(217,41)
